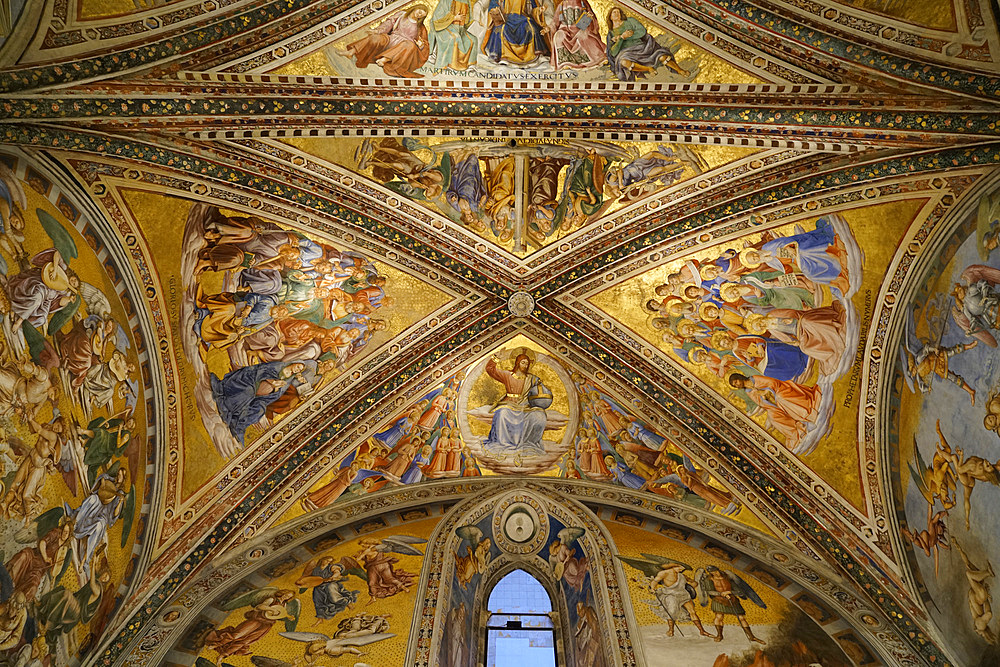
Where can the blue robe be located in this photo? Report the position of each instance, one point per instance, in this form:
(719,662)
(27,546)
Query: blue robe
(645,436)
(330,598)
(519,32)
(466,184)
(394,434)
(814,261)
(236,395)
(783,361)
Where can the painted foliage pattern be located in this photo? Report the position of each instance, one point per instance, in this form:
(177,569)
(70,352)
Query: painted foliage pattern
(72,421)
(687,602)
(269,315)
(351,599)
(948,420)
(519,412)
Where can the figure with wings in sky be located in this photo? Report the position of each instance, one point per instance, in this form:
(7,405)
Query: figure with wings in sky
(330,596)
(724,590)
(977,303)
(563,558)
(267,606)
(477,554)
(688,476)
(320,646)
(936,481)
(922,360)
(379,567)
(24,498)
(968,470)
(666,580)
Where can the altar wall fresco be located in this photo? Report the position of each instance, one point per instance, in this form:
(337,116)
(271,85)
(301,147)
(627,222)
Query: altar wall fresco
(944,416)
(254,304)
(73,422)
(680,613)
(773,321)
(475,423)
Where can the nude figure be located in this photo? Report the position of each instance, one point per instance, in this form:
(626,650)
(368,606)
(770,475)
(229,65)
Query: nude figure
(980,598)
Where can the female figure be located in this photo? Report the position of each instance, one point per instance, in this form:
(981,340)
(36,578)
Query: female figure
(632,51)
(398,45)
(328,594)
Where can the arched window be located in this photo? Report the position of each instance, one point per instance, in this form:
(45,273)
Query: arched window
(519,630)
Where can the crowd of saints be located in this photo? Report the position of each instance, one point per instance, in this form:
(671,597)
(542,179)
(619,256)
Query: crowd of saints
(524,195)
(71,433)
(774,320)
(507,36)
(340,587)
(607,443)
(268,316)
(947,358)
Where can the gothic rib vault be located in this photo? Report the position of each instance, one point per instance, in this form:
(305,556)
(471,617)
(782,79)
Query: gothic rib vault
(292,285)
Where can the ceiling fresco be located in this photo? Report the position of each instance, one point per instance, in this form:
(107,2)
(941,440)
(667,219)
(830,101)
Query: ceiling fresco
(947,388)
(74,420)
(299,298)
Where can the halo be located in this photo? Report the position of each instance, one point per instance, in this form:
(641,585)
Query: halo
(747,263)
(526,351)
(703,307)
(756,323)
(728,292)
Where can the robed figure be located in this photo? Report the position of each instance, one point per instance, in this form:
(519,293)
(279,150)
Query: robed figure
(515,33)
(519,417)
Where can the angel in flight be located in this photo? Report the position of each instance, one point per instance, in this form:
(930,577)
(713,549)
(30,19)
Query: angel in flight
(922,360)
(267,606)
(477,555)
(375,565)
(666,580)
(563,558)
(725,590)
(320,646)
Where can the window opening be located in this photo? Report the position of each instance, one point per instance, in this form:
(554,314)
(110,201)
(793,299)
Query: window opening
(519,630)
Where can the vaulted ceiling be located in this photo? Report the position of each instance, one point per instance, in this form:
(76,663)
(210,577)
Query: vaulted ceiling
(499,207)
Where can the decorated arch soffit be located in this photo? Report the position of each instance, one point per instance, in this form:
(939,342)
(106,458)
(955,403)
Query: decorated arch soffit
(80,405)
(619,530)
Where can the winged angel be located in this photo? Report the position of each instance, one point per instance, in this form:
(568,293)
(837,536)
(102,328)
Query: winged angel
(320,646)
(267,606)
(665,578)
(374,564)
(563,558)
(922,360)
(724,590)
(477,554)
(696,481)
